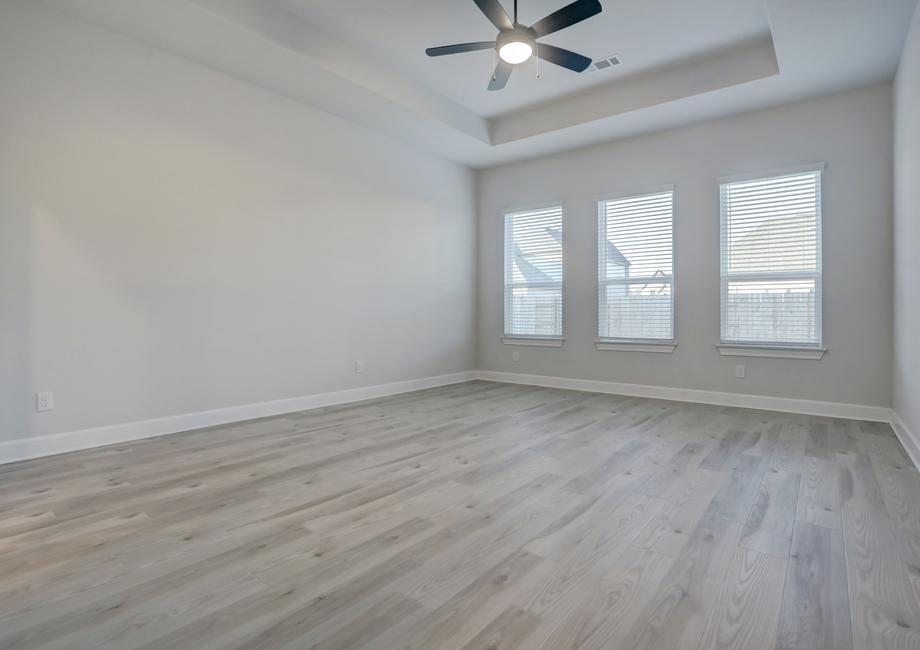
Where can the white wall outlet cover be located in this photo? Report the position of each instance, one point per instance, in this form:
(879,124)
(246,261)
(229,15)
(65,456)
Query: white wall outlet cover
(515,355)
(44,401)
(359,367)
(739,371)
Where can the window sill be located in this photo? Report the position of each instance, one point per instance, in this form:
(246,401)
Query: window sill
(534,342)
(776,352)
(627,346)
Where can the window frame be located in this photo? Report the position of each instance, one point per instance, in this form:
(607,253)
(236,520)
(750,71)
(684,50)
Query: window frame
(509,338)
(634,344)
(780,349)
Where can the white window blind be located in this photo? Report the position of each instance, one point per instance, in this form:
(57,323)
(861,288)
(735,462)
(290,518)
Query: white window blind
(771,260)
(635,284)
(533,273)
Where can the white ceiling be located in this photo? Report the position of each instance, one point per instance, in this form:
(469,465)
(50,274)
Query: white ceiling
(684,61)
(646,34)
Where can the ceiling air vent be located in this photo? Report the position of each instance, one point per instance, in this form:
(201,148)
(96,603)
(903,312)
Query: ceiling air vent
(605,64)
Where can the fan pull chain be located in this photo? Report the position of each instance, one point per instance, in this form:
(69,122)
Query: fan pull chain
(536,48)
(492,69)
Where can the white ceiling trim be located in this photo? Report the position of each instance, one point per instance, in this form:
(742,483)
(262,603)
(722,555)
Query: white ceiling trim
(814,48)
(280,27)
(196,33)
(728,67)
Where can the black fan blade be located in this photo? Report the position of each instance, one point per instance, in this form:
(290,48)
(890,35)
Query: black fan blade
(496,13)
(500,77)
(564,58)
(567,16)
(460,48)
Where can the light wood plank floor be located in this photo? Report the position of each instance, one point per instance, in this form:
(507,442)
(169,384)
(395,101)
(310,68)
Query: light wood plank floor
(478,515)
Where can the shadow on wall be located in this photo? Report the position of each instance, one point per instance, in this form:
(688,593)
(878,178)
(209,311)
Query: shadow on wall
(16,295)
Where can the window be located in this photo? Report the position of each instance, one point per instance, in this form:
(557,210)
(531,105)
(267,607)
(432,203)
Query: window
(635,268)
(771,260)
(533,274)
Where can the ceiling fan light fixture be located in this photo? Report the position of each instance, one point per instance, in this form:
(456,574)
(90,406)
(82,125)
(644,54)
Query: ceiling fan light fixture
(515,52)
(516,45)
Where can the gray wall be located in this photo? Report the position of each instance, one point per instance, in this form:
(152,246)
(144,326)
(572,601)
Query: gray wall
(907,232)
(851,132)
(172,240)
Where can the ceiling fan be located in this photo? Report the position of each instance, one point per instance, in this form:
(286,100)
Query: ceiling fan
(516,42)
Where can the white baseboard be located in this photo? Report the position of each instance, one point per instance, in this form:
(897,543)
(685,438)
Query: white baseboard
(909,441)
(26,448)
(783,404)
(59,443)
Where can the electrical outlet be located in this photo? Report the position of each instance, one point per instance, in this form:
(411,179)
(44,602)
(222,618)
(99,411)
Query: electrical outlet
(44,401)
(515,355)
(359,367)
(739,371)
